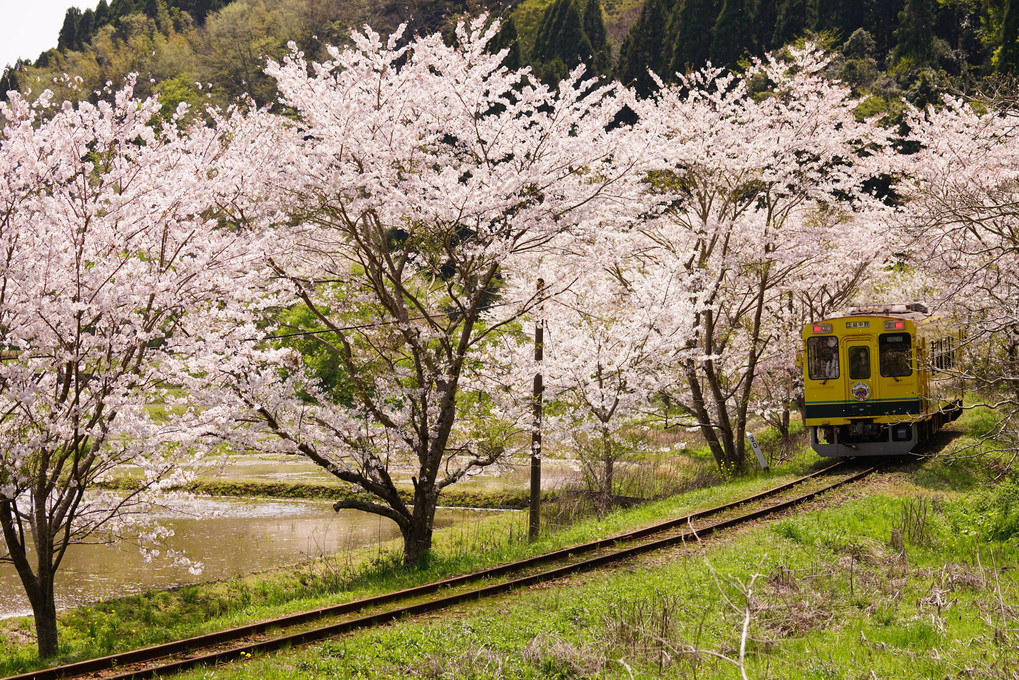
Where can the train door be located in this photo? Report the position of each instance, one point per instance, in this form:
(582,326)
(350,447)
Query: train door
(861,371)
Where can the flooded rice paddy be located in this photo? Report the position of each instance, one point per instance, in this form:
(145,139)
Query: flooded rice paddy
(232,536)
(229,536)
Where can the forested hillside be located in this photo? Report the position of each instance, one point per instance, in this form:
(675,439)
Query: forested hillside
(214,50)
(81,26)
(888,47)
(200,51)
(905,40)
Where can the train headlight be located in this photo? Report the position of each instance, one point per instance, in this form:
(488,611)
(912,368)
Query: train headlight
(895,325)
(822,328)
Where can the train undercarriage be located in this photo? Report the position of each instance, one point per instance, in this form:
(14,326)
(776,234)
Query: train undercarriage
(864,437)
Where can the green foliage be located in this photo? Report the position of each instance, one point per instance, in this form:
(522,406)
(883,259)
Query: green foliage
(733,33)
(792,19)
(527,17)
(693,23)
(102,629)
(455,497)
(980,421)
(9,78)
(916,634)
(915,34)
(561,37)
(594,29)
(319,355)
(200,9)
(101,15)
(1000,510)
(1006,60)
(68,38)
(507,39)
(199,41)
(765,17)
(926,85)
(177,90)
(224,42)
(642,49)
(137,44)
(594,24)
(236,42)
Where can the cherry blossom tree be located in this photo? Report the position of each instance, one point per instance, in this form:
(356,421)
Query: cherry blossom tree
(106,243)
(414,176)
(855,265)
(614,336)
(964,215)
(614,346)
(765,179)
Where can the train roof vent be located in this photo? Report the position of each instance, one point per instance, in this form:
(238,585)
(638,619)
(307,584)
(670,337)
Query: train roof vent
(906,308)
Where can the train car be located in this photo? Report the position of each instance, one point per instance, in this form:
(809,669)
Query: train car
(880,380)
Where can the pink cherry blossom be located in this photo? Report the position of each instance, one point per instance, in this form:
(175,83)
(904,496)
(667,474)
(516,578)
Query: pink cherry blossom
(107,241)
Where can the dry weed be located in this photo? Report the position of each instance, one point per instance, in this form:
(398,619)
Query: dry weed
(557,656)
(784,608)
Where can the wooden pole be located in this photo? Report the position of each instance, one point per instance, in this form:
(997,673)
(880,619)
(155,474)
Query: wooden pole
(535,509)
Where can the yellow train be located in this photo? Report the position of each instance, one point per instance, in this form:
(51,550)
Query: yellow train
(880,380)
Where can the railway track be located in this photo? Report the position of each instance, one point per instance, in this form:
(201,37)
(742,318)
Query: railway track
(306,627)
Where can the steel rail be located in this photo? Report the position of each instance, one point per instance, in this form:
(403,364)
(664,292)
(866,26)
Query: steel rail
(170,649)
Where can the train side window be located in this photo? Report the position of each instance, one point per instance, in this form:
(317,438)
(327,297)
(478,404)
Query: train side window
(948,354)
(941,351)
(823,357)
(859,363)
(894,350)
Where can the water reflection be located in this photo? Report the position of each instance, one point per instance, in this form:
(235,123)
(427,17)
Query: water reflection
(243,536)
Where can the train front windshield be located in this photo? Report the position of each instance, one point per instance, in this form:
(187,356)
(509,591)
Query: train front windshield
(894,350)
(823,357)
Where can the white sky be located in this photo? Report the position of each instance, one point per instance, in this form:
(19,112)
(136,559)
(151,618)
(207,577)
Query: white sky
(28,27)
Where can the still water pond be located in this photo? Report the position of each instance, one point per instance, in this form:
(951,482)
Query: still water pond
(234,536)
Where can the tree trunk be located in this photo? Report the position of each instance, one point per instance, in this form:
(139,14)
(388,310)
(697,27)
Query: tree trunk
(605,502)
(38,586)
(699,410)
(417,538)
(783,425)
(735,449)
(44,609)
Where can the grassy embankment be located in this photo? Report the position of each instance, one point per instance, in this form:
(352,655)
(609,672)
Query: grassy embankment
(160,616)
(911,575)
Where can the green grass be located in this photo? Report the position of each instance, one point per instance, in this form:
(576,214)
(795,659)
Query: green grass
(454,498)
(162,616)
(922,559)
(865,584)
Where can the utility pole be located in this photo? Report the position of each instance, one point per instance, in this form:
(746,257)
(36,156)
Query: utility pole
(535,510)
